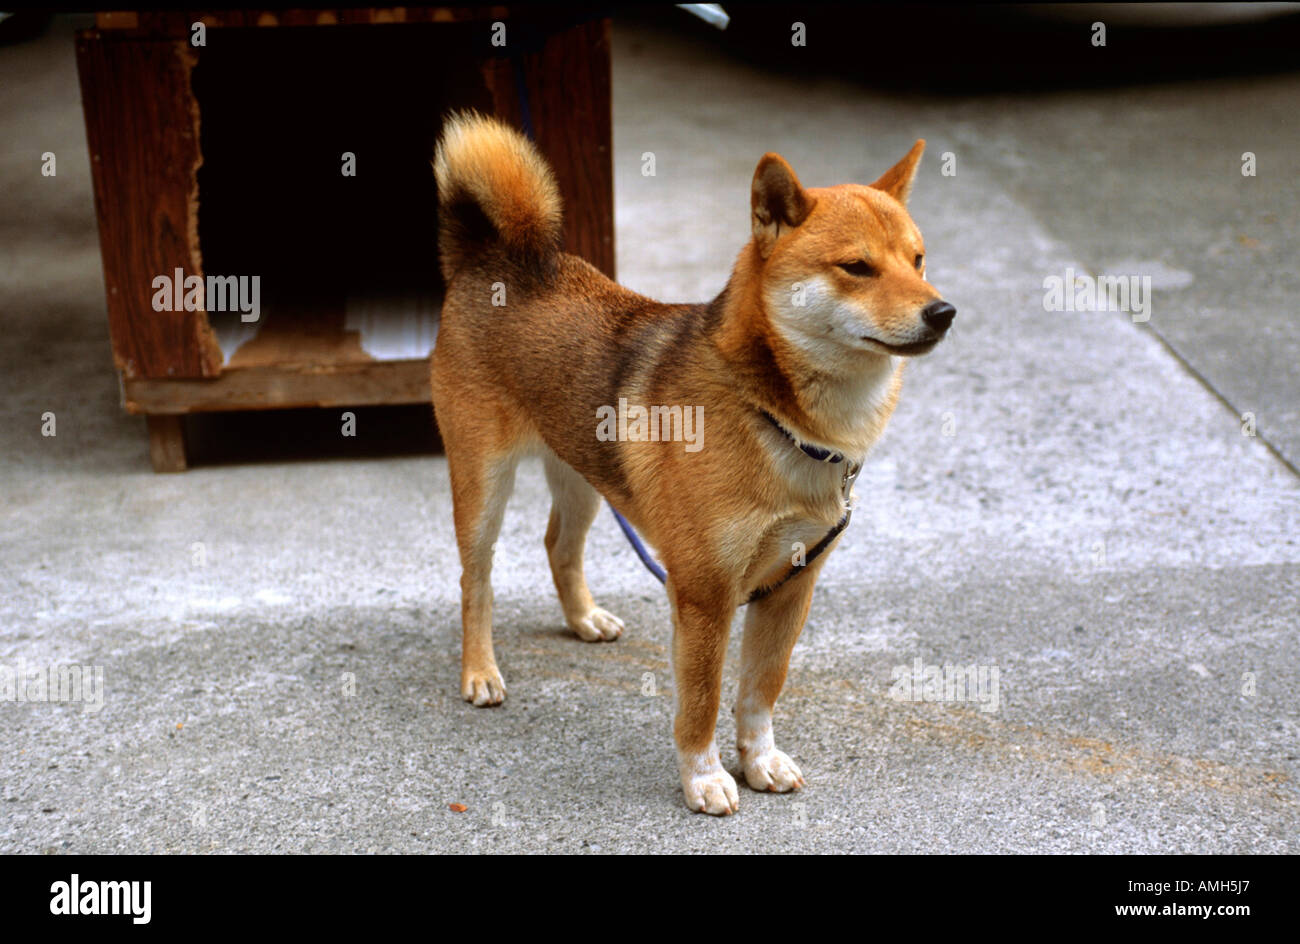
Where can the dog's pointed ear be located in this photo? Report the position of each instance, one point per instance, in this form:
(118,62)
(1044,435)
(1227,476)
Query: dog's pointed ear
(897,181)
(778,201)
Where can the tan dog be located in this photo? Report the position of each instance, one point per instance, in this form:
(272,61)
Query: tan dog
(800,356)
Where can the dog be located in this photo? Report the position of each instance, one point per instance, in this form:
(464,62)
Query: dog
(795,368)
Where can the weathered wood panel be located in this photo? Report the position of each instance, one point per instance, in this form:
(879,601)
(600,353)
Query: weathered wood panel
(142,127)
(568,86)
(264,388)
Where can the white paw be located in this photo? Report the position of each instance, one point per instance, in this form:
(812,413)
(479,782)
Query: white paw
(772,770)
(712,792)
(598,626)
(483,687)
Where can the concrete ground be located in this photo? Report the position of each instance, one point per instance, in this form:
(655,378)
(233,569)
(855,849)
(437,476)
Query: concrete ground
(1066,497)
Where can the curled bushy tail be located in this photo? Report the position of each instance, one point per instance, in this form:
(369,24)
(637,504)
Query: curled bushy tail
(494,189)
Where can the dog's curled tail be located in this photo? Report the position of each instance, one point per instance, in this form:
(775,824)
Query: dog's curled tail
(494,189)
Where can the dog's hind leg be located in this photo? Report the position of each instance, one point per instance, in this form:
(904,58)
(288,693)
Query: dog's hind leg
(574,504)
(481,483)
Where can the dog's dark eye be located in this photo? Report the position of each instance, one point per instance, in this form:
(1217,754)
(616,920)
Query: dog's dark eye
(920,261)
(860,267)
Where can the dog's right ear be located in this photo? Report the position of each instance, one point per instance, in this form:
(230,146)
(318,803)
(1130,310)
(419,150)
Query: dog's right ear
(777,200)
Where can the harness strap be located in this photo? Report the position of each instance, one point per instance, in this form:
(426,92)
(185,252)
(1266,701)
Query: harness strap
(813,452)
(796,569)
(651,564)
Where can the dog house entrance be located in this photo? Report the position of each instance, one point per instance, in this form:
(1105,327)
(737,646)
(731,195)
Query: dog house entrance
(294,148)
(316,180)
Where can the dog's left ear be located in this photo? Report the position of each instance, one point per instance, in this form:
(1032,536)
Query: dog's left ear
(777,201)
(897,181)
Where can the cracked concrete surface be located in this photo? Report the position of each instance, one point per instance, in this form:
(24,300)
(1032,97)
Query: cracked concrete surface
(1058,496)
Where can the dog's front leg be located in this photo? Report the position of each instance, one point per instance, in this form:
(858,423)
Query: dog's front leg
(771,627)
(699,647)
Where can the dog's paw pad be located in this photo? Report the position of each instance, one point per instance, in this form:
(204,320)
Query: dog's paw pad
(598,626)
(483,687)
(773,771)
(713,792)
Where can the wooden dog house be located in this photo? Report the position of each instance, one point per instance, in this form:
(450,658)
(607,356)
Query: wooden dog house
(228,159)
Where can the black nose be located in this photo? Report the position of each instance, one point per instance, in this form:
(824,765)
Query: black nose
(938,315)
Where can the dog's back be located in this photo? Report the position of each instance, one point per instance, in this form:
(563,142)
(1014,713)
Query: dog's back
(511,288)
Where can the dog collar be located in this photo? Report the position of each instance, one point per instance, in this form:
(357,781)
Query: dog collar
(812,452)
(851,468)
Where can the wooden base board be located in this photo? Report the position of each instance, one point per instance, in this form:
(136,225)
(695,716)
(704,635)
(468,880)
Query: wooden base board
(370,383)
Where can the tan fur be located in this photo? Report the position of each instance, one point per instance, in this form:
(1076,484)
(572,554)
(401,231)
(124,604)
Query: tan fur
(481,161)
(529,377)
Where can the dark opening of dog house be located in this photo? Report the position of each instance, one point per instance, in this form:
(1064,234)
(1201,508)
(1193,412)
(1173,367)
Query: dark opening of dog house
(316,179)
